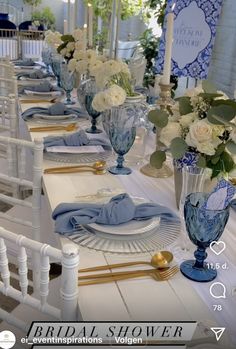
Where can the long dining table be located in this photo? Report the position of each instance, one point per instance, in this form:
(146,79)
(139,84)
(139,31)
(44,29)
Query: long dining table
(142,299)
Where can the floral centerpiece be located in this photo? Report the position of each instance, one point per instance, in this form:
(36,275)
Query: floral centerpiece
(53,38)
(201,123)
(113,78)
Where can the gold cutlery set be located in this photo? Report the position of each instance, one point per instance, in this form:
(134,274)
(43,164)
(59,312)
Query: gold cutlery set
(160,272)
(98,168)
(68,128)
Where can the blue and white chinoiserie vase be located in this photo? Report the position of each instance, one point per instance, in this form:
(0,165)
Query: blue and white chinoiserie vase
(120,125)
(67,80)
(203,226)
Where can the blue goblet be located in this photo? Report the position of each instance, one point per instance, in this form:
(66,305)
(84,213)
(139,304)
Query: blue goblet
(122,132)
(90,90)
(92,113)
(56,67)
(203,226)
(67,79)
(46,58)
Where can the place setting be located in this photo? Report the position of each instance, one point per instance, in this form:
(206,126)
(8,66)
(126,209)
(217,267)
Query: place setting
(117,223)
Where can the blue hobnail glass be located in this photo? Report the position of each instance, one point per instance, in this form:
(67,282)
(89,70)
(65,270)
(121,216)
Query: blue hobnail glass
(121,129)
(67,79)
(203,227)
(56,66)
(91,90)
(46,58)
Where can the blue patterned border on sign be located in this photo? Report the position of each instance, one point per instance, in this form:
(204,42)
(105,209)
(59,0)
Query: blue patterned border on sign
(198,68)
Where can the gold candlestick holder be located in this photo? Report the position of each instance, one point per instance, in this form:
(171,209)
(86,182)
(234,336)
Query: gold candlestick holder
(163,102)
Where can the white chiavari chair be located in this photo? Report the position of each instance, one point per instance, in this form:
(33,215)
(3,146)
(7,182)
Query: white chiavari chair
(28,217)
(57,299)
(6,70)
(8,86)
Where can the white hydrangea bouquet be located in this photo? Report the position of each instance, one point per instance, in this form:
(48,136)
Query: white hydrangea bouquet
(85,62)
(114,79)
(201,122)
(68,45)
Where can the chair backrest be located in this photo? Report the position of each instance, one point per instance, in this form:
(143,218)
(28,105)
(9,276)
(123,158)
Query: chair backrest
(9,120)
(69,259)
(6,70)
(16,158)
(8,86)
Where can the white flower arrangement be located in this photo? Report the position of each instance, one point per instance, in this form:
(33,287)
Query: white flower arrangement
(114,96)
(115,78)
(202,122)
(53,39)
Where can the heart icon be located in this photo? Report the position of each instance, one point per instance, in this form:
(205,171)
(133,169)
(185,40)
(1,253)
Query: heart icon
(217,247)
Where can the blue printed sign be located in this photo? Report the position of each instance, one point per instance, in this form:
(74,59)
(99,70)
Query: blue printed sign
(194,35)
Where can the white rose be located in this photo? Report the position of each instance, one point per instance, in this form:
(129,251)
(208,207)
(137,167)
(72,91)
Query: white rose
(80,46)
(70,46)
(91,55)
(168,133)
(95,67)
(233,135)
(100,102)
(63,52)
(116,95)
(206,148)
(187,119)
(200,132)
(112,67)
(79,55)
(78,34)
(72,64)
(81,67)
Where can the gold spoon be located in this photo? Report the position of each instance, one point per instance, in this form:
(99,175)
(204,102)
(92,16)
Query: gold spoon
(159,260)
(70,127)
(157,275)
(97,166)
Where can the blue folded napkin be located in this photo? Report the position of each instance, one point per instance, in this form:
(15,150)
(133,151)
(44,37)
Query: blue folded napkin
(37,74)
(120,209)
(75,140)
(42,87)
(24,62)
(56,109)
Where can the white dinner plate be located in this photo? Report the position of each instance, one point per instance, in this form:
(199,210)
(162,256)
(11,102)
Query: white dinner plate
(130,228)
(37,93)
(53,117)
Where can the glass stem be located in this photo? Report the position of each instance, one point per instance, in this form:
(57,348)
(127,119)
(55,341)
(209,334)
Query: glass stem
(200,255)
(94,123)
(120,160)
(68,97)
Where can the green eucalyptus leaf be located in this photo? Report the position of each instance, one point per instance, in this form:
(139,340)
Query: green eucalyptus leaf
(201,162)
(67,38)
(178,147)
(220,149)
(215,159)
(221,114)
(184,105)
(63,45)
(157,159)
(210,95)
(228,161)
(208,87)
(158,117)
(224,102)
(231,147)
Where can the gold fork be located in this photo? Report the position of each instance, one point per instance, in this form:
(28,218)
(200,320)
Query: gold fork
(70,127)
(110,277)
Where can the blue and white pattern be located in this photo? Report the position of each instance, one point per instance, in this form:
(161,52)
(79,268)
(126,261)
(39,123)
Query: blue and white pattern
(189,159)
(194,35)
